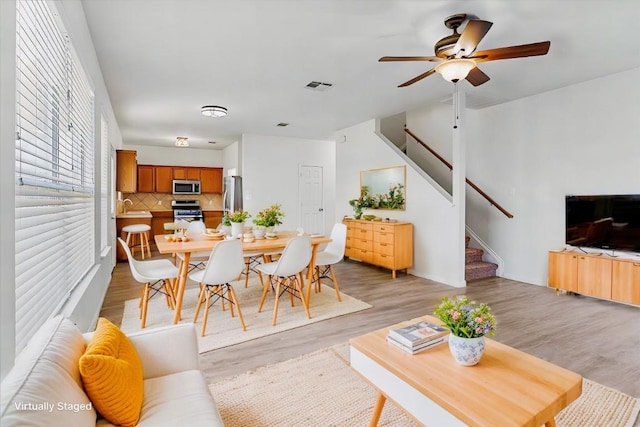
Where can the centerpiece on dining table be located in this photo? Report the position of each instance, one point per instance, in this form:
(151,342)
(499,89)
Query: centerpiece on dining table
(266,220)
(237,220)
(469,322)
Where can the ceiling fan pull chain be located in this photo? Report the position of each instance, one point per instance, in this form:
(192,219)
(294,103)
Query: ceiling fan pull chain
(456,107)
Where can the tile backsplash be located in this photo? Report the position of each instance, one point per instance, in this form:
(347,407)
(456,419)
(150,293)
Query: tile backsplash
(162,201)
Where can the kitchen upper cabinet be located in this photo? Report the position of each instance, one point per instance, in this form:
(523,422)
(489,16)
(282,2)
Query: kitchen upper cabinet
(146,180)
(211,180)
(188,173)
(164,179)
(126,171)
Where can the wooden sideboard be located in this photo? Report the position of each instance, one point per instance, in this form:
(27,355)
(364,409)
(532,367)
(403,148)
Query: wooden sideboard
(595,275)
(385,244)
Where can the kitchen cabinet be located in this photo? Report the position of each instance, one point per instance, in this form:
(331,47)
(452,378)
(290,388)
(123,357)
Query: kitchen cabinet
(212,218)
(146,179)
(158,221)
(126,171)
(211,180)
(385,244)
(164,179)
(188,173)
(595,275)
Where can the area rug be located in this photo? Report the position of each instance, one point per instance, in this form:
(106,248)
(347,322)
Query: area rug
(224,330)
(320,389)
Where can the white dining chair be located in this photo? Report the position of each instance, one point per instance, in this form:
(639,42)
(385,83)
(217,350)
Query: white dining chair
(332,254)
(197,259)
(224,265)
(286,274)
(157,275)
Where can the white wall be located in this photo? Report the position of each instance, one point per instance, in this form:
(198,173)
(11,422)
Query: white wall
(270,174)
(528,154)
(430,211)
(84,305)
(231,158)
(176,156)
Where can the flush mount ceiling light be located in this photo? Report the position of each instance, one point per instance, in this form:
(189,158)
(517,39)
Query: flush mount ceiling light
(455,70)
(182,141)
(213,111)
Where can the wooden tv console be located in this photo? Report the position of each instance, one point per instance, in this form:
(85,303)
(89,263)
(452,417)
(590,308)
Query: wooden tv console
(596,275)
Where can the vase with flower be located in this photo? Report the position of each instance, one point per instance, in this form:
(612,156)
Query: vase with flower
(237,220)
(469,322)
(363,202)
(266,220)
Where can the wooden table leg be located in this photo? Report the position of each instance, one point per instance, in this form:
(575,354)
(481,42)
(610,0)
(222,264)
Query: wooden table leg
(182,284)
(312,264)
(377,409)
(550,423)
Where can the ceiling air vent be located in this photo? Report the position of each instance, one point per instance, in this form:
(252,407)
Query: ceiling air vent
(282,124)
(319,86)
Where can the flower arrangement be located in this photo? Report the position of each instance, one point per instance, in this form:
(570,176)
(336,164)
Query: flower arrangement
(364,201)
(237,216)
(466,319)
(269,217)
(393,199)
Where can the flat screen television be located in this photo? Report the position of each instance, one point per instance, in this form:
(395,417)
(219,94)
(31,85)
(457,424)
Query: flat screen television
(603,221)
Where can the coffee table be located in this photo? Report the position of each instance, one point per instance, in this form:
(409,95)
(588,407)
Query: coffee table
(507,388)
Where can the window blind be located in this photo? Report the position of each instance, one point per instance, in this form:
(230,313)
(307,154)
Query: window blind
(104,183)
(54,169)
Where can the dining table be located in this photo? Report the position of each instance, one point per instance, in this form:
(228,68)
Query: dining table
(200,242)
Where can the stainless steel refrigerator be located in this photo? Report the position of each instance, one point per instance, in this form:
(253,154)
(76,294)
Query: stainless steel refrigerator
(232,197)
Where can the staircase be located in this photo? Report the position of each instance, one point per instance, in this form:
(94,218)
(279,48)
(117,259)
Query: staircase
(475,267)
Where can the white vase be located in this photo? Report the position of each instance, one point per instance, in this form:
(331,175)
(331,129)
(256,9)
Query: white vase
(237,229)
(259,231)
(466,351)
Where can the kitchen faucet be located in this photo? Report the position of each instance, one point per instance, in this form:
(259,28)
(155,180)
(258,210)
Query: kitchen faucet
(124,204)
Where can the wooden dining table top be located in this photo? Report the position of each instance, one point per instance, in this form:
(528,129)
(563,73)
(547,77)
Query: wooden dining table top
(198,242)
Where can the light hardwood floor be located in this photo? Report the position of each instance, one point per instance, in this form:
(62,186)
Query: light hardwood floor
(598,339)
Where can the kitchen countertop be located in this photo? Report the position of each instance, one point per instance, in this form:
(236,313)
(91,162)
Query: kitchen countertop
(135,214)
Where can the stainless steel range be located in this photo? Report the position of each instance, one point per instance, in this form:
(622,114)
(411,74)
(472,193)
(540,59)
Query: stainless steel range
(186,210)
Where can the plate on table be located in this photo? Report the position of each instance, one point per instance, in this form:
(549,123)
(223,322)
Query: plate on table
(271,237)
(214,236)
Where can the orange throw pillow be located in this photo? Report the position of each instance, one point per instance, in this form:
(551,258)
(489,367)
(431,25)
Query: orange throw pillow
(111,372)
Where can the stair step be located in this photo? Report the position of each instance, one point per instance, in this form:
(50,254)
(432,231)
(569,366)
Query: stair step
(472,255)
(479,270)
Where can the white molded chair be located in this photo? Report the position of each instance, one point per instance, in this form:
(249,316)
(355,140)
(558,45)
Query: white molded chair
(332,254)
(158,275)
(286,274)
(224,265)
(197,259)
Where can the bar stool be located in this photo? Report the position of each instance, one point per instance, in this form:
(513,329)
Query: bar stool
(138,232)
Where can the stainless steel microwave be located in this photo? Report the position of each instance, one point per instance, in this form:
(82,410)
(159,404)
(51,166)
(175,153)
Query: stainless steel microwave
(186,187)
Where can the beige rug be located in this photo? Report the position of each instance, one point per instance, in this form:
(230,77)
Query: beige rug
(320,389)
(224,330)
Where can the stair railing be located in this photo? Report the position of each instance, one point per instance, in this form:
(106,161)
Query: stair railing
(471,184)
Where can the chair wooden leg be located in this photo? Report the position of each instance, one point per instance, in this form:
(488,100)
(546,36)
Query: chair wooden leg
(200,298)
(247,264)
(265,291)
(206,311)
(234,298)
(305,301)
(275,305)
(319,281)
(145,304)
(335,283)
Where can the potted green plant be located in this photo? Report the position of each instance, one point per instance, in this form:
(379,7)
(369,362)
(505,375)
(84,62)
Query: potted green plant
(365,201)
(267,219)
(237,220)
(469,322)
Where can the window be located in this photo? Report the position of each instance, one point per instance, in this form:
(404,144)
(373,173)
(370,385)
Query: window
(104,183)
(55,244)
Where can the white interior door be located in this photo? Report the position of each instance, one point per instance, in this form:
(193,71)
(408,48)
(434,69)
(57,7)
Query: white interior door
(311,208)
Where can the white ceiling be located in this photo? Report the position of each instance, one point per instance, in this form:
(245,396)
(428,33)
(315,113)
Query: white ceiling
(164,59)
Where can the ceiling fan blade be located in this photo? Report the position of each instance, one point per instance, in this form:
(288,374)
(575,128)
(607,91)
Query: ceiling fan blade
(476,77)
(418,78)
(521,51)
(409,58)
(474,31)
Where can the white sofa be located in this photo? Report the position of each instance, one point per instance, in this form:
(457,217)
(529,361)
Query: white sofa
(44,387)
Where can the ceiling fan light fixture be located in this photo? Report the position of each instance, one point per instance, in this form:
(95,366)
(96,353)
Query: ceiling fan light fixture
(456,69)
(213,111)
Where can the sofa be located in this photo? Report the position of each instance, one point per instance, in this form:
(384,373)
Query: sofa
(45,388)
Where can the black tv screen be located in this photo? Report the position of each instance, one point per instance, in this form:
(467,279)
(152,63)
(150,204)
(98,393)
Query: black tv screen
(604,221)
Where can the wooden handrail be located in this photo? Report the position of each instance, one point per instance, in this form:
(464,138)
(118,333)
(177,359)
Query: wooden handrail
(471,184)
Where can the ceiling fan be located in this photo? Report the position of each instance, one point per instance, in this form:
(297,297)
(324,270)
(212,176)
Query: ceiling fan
(457,55)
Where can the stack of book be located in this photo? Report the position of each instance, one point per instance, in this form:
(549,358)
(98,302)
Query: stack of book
(418,337)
